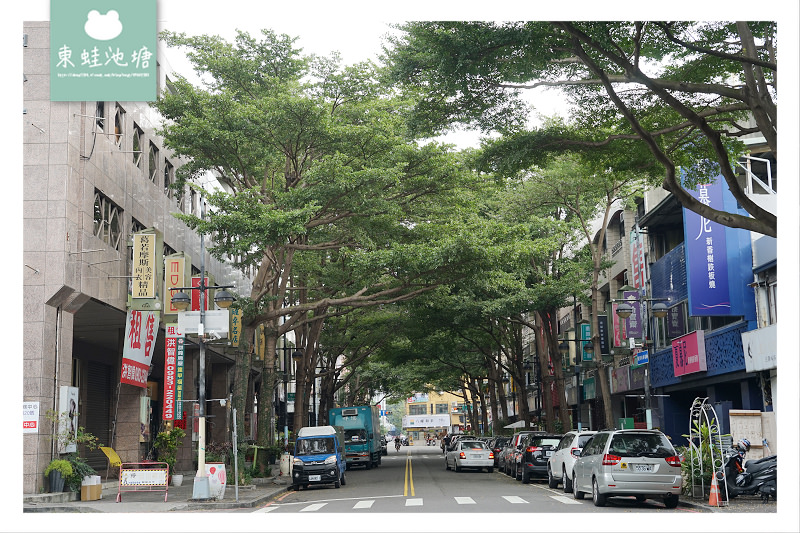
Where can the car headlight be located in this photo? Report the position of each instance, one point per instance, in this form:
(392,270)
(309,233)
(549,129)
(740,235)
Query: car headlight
(297,461)
(330,460)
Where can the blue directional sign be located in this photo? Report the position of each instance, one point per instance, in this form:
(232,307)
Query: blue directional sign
(642,357)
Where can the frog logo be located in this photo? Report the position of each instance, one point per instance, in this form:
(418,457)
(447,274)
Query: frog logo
(103,27)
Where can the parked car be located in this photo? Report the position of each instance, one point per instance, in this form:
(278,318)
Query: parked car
(628,462)
(559,466)
(512,452)
(469,454)
(496,445)
(534,451)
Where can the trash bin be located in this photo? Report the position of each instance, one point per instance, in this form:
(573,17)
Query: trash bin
(286,464)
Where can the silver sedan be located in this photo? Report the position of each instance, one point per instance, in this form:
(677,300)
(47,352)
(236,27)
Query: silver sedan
(470,454)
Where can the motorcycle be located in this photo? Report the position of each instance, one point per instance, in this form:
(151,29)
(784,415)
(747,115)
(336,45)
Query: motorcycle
(757,476)
(397,444)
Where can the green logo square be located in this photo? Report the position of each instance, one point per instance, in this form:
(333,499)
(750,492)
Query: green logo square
(103,50)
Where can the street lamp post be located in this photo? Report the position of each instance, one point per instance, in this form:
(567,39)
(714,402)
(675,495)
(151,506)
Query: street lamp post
(181,300)
(658,310)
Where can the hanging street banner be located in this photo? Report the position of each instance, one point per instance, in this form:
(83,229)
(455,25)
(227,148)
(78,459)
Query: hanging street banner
(196,294)
(633,324)
(174,276)
(137,351)
(236,326)
(637,258)
(586,333)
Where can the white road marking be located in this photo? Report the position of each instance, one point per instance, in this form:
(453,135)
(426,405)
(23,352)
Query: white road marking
(363,504)
(414,502)
(313,507)
(266,509)
(463,500)
(514,499)
(564,499)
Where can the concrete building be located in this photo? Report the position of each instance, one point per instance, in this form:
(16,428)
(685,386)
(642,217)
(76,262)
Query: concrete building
(94,174)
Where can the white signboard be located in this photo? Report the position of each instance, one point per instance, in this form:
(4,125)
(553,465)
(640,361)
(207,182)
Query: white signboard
(30,417)
(426,421)
(68,418)
(143,477)
(760,348)
(217,321)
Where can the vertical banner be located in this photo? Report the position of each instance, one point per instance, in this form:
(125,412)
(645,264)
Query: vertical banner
(602,333)
(618,326)
(586,333)
(706,256)
(637,258)
(170,360)
(137,351)
(236,327)
(675,325)
(68,418)
(633,324)
(196,294)
(179,375)
(174,269)
(144,261)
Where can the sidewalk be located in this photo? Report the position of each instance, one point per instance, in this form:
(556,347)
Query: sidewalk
(178,499)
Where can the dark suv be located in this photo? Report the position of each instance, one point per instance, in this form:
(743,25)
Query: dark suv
(534,451)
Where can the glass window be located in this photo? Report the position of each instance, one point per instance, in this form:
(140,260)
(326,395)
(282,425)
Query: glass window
(442,409)
(100,115)
(153,163)
(119,124)
(107,220)
(137,146)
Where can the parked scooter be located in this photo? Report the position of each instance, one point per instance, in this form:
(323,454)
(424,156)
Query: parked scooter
(758,476)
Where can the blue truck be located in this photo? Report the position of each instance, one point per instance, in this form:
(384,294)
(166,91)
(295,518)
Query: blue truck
(362,433)
(319,457)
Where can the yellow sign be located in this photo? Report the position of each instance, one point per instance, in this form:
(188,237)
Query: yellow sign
(236,327)
(174,270)
(144,256)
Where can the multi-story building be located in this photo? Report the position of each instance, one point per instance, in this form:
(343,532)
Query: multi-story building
(436,412)
(94,174)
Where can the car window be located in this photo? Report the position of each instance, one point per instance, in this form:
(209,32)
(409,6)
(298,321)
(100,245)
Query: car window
(640,445)
(544,441)
(473,445)
(566,441)
(596,445)
(583,439)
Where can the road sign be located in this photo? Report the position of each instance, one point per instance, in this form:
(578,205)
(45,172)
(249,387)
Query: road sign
(642,357)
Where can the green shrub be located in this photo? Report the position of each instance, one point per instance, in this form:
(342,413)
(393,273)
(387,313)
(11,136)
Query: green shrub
(60,465)
(80,469)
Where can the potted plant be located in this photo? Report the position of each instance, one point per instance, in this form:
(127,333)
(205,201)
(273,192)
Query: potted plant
(57,472)
(166,444)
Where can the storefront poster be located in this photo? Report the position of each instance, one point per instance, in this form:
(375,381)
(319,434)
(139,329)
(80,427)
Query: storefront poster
(689,353)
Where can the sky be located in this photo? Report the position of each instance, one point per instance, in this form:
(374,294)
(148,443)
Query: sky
(355,29)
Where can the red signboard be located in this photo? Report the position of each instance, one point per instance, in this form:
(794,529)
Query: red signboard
(689,353)
(196,294)
(137,352)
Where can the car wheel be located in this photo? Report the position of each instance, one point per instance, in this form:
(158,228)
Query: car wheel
(578,495)
(566,481)
(446,465)
(551,481)
(337,483)
(598,499)
(368,464)
(458,468)
(671,501)
(295,487)
(517,472)
(525,476)
(343,480)
(490,469)
(640,498)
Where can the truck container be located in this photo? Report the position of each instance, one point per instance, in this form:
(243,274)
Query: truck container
(319,457)
(362,433)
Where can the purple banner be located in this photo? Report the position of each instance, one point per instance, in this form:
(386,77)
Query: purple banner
(706,256)
(633,324)
(675,326)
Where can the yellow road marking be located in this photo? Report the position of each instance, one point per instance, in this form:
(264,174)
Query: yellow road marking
(408,480)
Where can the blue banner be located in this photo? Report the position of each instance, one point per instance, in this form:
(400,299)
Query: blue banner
(706,256)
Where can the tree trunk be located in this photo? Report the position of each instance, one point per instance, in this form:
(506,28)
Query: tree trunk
(266,420)
(241,377)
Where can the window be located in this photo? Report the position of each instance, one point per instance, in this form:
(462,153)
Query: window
(442,409)
(100,115)
(137,146)
(169,176)
(107,220)
(119,125)
(772,301)
(153,163)
(418,409)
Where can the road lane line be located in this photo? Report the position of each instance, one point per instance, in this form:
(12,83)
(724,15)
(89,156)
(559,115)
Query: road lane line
(411,502)
(363,504)
(564,499)
(408,479)
(266,509)
(514,499)
(313,507)
(464,500)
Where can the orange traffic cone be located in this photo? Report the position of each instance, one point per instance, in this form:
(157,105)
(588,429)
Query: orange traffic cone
(713,498)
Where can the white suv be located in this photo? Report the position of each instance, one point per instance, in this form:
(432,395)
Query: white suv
(559,466)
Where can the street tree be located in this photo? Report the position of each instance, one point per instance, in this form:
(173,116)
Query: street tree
(675,96)
(320,179)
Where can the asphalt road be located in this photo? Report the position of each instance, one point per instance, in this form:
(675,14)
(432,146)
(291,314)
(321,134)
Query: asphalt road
(415,480)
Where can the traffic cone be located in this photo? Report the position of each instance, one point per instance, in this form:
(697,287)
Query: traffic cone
(713,497)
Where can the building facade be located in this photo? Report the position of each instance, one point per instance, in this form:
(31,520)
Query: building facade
(95,174)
